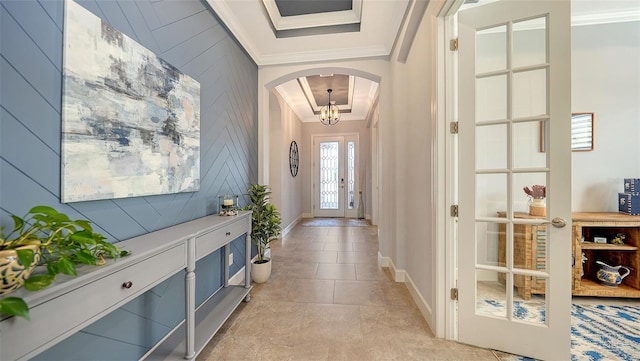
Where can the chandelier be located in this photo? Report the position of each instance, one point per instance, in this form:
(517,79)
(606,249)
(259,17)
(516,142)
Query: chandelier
(330,113)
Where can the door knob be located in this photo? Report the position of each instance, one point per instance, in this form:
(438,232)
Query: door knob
(559,222)
(556,222)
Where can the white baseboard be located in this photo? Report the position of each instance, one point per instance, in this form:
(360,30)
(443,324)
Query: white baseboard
(307,215)
(290,226)
(238,278)
(383,261)
(386,262)
(424,307)
(403,276)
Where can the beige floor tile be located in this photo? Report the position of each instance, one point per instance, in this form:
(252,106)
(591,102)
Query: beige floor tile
(356,257)
(311,291)
(371,272)
(341,271)
(338,246)
(359,293)
(278,318)
(328,300)
(315,256)
(293,270)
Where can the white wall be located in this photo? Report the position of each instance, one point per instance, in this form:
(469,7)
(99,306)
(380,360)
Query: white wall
(414,122)
(606,81)
(285,127)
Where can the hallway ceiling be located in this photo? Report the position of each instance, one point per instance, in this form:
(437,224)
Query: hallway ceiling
(294,31)
(277,32)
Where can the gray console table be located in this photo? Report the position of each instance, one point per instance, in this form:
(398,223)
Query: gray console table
(155,256)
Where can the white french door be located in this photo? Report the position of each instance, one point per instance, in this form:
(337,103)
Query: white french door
(335,176)
(514,96)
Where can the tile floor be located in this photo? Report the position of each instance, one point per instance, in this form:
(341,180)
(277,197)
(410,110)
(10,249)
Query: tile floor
(328,300)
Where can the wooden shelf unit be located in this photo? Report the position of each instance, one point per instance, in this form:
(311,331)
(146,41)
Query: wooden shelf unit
(528,254)
(602,224)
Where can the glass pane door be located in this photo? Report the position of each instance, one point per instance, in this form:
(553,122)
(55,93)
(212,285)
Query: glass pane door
(330,175)
(335,176)
(513,265)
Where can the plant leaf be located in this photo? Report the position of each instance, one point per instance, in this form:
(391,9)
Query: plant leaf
(60,217)
(18,222)
(14,306)
(43,209)
(66,266)
(83,236)
(25,256)
(84,224)
(52,267)
(38,282)
(86,257)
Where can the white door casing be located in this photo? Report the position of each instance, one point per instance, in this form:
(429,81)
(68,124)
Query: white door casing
(514,75)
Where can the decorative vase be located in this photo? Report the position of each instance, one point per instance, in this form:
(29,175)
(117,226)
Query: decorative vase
(260,272)
(12,272)
(538,207)
(610,275)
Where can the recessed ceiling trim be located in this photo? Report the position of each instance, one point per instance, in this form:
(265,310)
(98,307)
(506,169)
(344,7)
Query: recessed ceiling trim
(313,20)
(306,90)
(324,55)
(352,84)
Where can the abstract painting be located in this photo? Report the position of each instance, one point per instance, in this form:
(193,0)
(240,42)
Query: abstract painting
(130,120)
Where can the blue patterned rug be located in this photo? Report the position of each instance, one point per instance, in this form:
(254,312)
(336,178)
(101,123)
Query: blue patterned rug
(598,332)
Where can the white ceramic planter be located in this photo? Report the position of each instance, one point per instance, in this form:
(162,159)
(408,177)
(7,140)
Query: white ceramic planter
(260,272)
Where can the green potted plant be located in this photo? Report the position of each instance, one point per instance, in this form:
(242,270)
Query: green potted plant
(49,238)
(265,227)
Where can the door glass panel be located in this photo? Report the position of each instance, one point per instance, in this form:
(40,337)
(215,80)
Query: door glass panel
(529,246)
(491,194)
(526,145)
(491,49)
(351,174)
(536,183)
(529,93)
(490,238)
(529,309)
(329,184)
(491,146)
(530,42)
(491,95)
(491,291)
(539,259)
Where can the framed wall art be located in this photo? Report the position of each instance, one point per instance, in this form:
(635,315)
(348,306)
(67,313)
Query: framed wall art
(130,120)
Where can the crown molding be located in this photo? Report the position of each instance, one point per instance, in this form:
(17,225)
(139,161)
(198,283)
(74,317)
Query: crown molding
(225,14)
(324,55)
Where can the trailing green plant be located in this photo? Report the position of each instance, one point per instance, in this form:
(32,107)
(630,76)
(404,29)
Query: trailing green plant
(265,219)
(64,243)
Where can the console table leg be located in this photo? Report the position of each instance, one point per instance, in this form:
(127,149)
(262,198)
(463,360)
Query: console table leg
(190,300)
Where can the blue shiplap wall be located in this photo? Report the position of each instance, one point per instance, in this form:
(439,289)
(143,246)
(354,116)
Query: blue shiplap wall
(187,35)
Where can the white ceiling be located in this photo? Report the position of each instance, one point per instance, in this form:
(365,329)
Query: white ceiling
(258,27)
(250,23)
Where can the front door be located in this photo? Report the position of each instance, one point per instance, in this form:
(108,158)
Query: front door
(514,260)
(335,176)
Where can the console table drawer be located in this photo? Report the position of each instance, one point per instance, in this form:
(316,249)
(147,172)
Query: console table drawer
(209,242)
(68,313)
